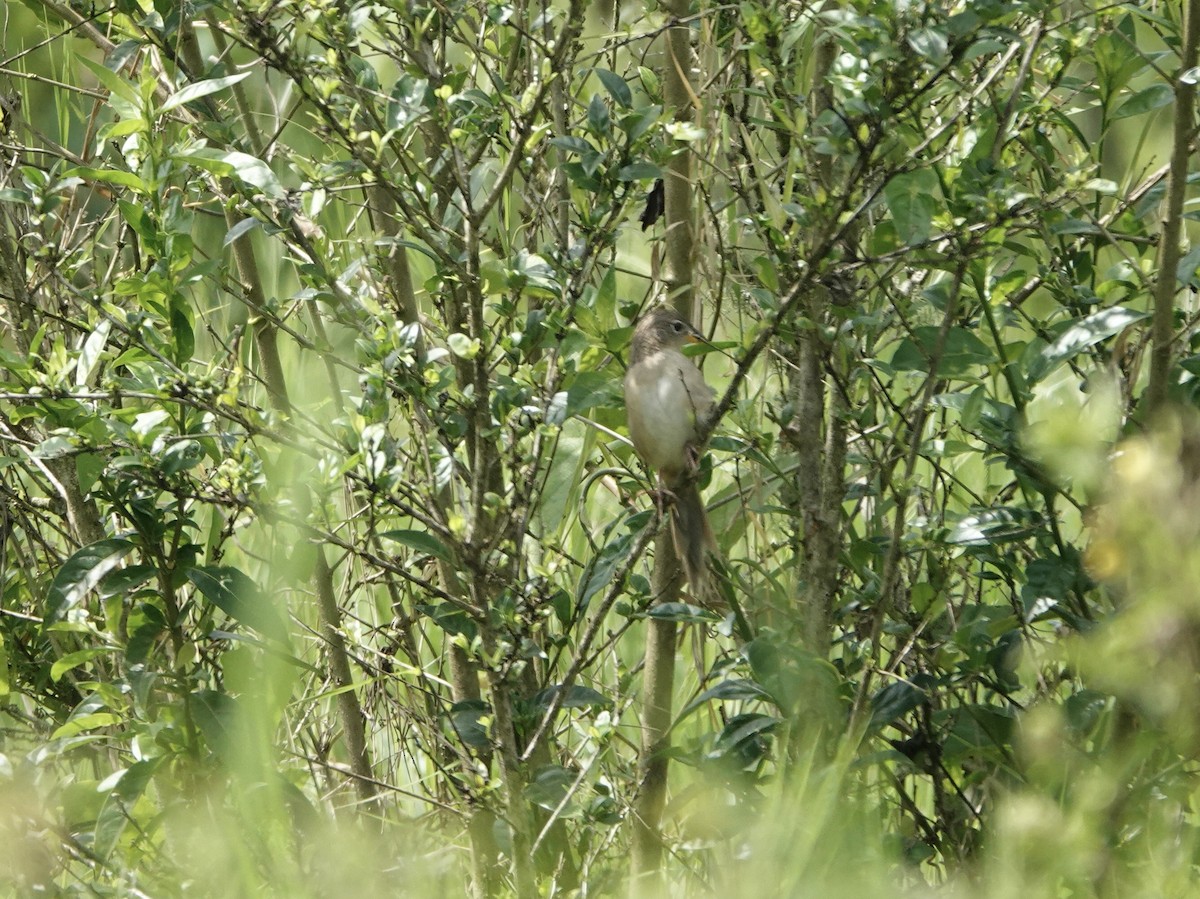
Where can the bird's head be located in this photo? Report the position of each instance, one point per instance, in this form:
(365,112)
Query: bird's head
(662,329)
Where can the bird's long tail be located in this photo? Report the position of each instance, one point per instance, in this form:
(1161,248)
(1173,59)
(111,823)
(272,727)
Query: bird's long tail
(693,536)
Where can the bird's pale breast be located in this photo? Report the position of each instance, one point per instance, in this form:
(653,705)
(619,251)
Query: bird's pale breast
(664,394)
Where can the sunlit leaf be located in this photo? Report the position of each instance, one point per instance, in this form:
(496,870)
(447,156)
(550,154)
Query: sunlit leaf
(993,526)
(123,789)
(81,573)
(1156,96)
(1081,334)
(407,102)
(200,89)
(421,541)
(89,355)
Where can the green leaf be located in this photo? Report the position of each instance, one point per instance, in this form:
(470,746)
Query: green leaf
(142,641)
(685,132)
(998,525)
(421,541)
(235,594)
(599,120)
(89,355)
(550,786)
(112,81)
(200,89)
(74,659)
(573,144)
(978,730)
(742,738)
(1080,335)
(649,79)
(216,714)
(639,171)
(732,690)
(1117,57)
(465,719)
(578,697)
(243,227)
(604,304)
(682,612)
(53,447)
(79,724)
(1185,271)
(913,199)
(962,352)
(81,573)
(531,273)
(590,389)
(246,168)
(616,87)
(450,618)
(127,579)
(181,456)
(898,698)
(463,346)
(930,43)
(1070,225)
(110,176)
(1084,708)
(407,102)
(181,332)
(641,120)
(253,171)
(124,788)
(1156,96)
(602,568)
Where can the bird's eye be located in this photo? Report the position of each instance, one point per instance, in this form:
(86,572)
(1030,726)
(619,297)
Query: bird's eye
(677,326)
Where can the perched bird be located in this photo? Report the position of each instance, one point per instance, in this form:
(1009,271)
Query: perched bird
(666,399)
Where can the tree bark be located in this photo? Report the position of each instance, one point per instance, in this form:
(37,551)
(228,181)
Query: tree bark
(1163,326)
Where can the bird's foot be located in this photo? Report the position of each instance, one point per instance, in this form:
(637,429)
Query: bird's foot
(664,498)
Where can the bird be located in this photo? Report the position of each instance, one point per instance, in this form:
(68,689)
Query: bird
(666,402)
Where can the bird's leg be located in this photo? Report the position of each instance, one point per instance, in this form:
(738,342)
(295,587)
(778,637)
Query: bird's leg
(664,498)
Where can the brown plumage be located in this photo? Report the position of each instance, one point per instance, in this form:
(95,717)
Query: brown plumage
(666,399)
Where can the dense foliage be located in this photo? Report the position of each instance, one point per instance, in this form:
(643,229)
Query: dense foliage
(326,565)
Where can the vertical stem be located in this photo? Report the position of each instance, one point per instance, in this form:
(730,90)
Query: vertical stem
(1163,326)
(677,183)
(815,431)
(395,261)
(504,739)
(339,664)
(661,635)
(656,726)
